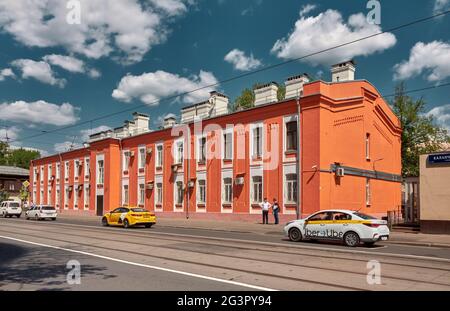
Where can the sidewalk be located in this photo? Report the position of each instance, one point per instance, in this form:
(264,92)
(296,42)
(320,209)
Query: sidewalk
(405,238)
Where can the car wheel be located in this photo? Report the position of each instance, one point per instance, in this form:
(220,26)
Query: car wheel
(148,225)
(18,216)
(105,222)
(53,218)
(351,239)
(36,217)
(295,235)
(126,224)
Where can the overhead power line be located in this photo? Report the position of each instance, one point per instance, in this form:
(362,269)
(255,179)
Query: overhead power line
(227,80)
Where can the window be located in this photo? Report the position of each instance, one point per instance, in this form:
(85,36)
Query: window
(257,142)
(66,170)
(41,177)
(41,199)
(49,196)
(77,168)
(159,155)
(179,153)
(179,192)
(368,191)
(100,168)
(367,146)
(228,146)
(87,194)
(227,190)
(35,173)
(58,169)
(141,158)
(257,189)
(34,196)
(322,216)
(291,188)
(11,187)
(341,216)
(141,194)
(75,198)
(202,149)
(49,171)
(126,160)
(201,195)
(87,168)
(58,197)
(291,136)
(159,193)
(125,195)
(66,196)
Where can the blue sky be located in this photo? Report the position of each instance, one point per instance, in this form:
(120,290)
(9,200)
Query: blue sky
(130,52)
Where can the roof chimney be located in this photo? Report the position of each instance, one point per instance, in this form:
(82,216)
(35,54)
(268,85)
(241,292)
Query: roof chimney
(294,85)
(343,71)
(266,93)
(219,103)
(141,122)
(169,121)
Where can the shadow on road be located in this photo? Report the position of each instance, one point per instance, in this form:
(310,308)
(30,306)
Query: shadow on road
(43,268)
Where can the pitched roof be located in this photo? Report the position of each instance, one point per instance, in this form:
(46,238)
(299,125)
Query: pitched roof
(12,170)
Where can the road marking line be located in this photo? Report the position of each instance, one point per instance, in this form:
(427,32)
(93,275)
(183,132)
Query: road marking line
(317,248)
(142,265)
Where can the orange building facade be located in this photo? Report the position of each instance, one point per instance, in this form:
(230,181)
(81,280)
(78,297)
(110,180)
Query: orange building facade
(335,146)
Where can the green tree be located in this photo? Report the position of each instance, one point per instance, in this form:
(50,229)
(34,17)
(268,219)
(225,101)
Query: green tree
(3,153)
(420,133)
(24,194)
(22,157)
(4,195)
(245,100)
(281,93)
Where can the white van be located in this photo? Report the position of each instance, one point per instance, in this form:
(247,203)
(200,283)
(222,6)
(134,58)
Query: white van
(10,208)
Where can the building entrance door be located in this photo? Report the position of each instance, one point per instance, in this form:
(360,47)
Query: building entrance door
(100,205)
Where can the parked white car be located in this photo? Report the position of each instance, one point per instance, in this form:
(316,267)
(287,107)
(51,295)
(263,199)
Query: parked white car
(39,212)
(10,208)
(351,227)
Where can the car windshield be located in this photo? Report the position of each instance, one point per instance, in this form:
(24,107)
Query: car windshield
(364,216)
(14,204)
(47,208)
(138,210)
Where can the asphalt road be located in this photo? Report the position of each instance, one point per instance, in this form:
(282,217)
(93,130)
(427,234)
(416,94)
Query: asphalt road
(34,255)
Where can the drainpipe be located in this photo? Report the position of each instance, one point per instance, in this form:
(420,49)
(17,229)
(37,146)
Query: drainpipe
(60,167)
(299,178)
(188,166)
(120,173)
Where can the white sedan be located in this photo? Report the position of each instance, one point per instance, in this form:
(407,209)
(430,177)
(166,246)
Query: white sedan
(351,227)
(41,212)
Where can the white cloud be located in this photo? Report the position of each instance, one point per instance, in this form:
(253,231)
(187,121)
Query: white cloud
(441,115)
(431,58)
(65,146)
(71,64)
(6,73)
(68,63)
(242,62)
(306,9)
(150,87)
(441,5)
(125,29)
(38,70)
(10,133)
(39,112)
(84,134)
(328,29)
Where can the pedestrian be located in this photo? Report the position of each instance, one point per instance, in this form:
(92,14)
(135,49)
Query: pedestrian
(265,206)
(275,210)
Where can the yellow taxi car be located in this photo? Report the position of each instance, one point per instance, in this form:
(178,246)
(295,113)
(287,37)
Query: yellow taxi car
(128,217)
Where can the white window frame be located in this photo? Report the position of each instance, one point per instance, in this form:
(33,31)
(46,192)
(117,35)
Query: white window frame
(100,171)
(58,170)
(49,195)
(66,197)
(261,190)
(253,127)
(125,194)
(141,193)
(179,157)
(41,198)
(293,184)
(159,196)
(228,131)
(159,160)
(76,171)
(367,146)
(225,200)
(76,193)
(58,197)
(49,172)
(141,157)
(199,149)
(41,176)
(66,170)
(87,168)
(368,193)
(126,160)
(179,178)
(86,196)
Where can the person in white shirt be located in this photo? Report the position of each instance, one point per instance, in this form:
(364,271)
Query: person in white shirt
(265,206)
